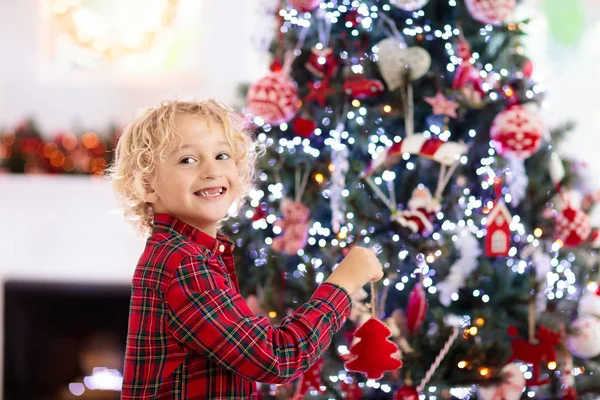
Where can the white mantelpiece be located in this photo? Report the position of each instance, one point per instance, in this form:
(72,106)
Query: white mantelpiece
(63,229)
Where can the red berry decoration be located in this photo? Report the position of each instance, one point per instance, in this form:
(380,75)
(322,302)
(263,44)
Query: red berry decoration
(304,127)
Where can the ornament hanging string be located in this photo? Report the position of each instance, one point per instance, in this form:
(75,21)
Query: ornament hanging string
(395,32)
(301,182)
(379,193)
(323,27)
(373,300)
(444,177)
(290,56)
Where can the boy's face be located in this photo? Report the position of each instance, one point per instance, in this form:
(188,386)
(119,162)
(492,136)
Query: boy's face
(198,180)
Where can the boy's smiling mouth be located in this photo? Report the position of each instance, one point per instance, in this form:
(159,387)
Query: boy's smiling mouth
(211,192)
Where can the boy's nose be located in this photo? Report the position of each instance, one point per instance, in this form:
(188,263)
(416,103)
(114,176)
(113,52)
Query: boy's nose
(211,171)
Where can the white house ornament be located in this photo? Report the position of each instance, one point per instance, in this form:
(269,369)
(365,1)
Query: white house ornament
(517,131)
(394,58)
(409,5)
(492,12)
(274,98)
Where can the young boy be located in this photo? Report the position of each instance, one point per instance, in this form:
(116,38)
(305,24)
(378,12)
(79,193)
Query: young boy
(178,169)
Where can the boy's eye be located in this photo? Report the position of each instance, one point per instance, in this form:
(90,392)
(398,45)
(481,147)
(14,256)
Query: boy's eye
(187,160)
(223,156)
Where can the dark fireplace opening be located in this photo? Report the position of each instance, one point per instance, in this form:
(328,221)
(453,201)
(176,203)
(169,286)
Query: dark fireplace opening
(64,340)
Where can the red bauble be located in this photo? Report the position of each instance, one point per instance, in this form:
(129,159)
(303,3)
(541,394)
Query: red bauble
(406,393)
(305,5)
(572,227)
(517,131)
(527,69)
(373,352)
(569,394)
(304,127)
(321,62)
(274,98)
(490,11)
(416,308)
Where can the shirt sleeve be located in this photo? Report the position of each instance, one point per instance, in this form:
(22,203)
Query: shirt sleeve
(212,319)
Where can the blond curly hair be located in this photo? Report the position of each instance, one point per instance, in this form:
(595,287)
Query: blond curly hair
(142,148)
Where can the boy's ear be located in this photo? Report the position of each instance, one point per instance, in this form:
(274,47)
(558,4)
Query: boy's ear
(151,196)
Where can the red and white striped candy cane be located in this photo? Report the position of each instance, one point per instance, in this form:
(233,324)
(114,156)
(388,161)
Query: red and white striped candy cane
(438,359)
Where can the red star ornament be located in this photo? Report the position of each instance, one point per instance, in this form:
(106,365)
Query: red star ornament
(442,106)
(319,92)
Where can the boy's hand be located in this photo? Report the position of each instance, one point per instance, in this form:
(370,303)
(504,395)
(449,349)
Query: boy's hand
(359,267)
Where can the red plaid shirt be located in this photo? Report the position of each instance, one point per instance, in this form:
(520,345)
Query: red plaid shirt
(192,335)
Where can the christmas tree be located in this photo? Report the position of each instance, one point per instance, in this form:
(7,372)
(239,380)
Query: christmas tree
(413,127)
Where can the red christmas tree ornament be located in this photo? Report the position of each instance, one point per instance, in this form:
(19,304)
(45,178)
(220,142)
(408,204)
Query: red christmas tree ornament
(351,391)
(517,131)
(304,127)
(569,393)
(321,62)
(259,213)
(542,352)
(276,65)
(310,380)
(416,308)
(274,98)
(490,11)
(406,393)
(373,352)
(572,227)
(305,5)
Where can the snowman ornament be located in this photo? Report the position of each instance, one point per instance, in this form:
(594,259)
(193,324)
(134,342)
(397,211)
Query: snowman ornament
(584,341)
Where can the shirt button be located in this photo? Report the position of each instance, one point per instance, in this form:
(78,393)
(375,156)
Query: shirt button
(221,248)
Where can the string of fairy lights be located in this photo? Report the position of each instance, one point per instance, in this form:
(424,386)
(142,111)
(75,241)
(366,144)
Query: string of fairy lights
(560,281)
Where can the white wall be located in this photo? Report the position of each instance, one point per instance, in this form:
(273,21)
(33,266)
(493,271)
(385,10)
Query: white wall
(228,46)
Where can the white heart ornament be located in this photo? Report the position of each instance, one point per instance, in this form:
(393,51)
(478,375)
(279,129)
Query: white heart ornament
(394,57)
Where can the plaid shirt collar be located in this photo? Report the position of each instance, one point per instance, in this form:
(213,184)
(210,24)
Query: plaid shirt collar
(167,223)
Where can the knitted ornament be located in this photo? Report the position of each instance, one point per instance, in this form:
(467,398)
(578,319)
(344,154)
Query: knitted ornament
(305,5)
(490,11)
(510,388)
(416,308)
(572,226)
(310,380)
(406,393)
(517,131)
(294,225)
(584,342)
(274,98)
(373,352)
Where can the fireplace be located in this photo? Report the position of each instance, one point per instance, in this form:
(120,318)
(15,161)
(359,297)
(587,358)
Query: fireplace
(63,340)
